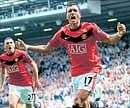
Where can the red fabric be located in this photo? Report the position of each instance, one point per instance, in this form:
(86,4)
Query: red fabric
(83,55)
(18,72)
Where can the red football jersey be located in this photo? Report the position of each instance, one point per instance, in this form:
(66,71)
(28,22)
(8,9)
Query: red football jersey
(81,46)
(17,68)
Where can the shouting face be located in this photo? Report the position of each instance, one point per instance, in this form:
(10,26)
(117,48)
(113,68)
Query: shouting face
(73,15)
(9,45)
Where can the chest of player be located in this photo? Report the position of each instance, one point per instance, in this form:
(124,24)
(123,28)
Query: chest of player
(13,64)
(78,43)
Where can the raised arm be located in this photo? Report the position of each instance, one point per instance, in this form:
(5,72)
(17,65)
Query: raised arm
(38,48)
(121,30)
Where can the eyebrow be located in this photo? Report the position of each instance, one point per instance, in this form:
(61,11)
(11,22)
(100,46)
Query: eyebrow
(70,10)
(9,42)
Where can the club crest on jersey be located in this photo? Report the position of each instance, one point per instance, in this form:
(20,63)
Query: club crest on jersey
(77,48)
(84,36)
(16,59)
(3,62)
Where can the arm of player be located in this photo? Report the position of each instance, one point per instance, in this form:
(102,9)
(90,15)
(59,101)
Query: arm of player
(38,48)
(37,83)
(3,77)
(121,30)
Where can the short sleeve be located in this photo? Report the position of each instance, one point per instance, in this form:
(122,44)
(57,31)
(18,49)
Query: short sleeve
(27,57)
(1,61)
(98,33)
(56,40)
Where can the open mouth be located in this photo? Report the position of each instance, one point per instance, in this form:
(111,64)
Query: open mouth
(10,48)
(73,17)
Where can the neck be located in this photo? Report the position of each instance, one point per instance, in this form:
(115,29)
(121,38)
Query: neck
(74,26)
(10,52)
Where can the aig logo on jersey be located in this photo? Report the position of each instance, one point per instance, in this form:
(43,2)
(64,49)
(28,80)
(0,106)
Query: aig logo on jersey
(77,48)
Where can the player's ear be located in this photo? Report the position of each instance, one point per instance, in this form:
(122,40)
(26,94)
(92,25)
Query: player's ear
(4,47)
(66,16)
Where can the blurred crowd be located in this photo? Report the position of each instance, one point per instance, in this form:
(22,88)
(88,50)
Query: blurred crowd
(113,84)
(26,9)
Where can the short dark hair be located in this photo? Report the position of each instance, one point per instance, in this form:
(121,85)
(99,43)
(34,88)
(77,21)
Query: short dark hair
(71,3)
(7,38)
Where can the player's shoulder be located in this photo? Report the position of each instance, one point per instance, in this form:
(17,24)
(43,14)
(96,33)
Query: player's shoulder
(89,24)
(2,55)
(20,52)
(95,25)
(65,27)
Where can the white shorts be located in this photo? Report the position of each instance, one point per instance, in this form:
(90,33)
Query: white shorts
(25,93)
(85,82)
